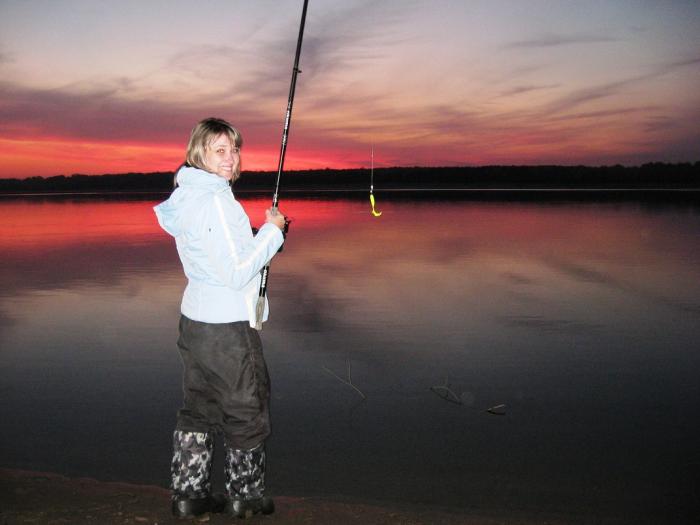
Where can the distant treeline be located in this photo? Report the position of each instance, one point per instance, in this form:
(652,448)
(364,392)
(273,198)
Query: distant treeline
(646,176)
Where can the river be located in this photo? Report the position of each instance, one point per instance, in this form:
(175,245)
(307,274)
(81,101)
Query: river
(576,322)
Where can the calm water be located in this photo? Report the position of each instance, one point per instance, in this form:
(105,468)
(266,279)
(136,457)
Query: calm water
(583,319)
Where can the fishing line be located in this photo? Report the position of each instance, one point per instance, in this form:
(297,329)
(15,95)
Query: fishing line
(371,186)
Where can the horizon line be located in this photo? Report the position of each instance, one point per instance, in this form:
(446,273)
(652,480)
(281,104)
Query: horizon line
(465,166)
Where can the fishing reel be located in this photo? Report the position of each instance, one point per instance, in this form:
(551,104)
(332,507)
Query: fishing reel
(285,230)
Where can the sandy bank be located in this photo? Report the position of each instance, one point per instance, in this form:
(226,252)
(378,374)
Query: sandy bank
(43,498)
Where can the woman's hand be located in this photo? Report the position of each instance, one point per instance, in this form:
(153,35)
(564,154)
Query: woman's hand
(275,217)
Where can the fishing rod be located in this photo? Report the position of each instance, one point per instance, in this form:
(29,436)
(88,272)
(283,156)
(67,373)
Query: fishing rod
(260,307)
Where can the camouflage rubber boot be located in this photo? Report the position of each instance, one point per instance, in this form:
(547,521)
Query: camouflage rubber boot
(191,471)
(245,482)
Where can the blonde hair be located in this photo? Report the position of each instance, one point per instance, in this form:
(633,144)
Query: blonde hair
(203,134)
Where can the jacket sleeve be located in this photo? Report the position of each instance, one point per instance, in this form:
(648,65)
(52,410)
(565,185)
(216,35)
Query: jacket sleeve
(235,255)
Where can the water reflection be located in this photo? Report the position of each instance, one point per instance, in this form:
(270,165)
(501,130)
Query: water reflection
(581,318)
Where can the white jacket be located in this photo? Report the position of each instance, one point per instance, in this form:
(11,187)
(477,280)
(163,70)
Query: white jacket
(220,256)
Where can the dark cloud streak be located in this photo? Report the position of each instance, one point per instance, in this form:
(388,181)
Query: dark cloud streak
(601,91)
(101,115)
(556,40)
(105,112)
(334,42)
(519,90)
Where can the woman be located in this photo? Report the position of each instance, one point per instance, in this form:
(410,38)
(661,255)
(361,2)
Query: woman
(226,384)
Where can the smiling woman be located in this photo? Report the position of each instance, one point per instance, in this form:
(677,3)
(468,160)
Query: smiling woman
(224,158)
(226,383)
(215,146)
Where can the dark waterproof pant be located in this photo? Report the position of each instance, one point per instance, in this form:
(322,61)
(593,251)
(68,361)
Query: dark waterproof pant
(226,384)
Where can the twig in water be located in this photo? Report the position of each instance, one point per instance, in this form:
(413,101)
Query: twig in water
(498,410)
(348,381)
(446,393)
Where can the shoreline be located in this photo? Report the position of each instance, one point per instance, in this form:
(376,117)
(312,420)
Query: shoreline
(49,498)
(689,195)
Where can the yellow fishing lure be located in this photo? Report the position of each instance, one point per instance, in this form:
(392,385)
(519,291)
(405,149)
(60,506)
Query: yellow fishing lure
(371,201)
(371,186)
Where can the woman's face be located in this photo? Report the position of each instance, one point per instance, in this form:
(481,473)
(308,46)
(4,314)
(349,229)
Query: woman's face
(223,158)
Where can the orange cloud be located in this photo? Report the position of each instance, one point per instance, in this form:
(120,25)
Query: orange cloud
(47,157)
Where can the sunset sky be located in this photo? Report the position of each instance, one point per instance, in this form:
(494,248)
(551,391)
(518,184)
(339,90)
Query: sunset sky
(89,86)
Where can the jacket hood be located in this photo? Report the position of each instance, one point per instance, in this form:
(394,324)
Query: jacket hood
(192,184)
